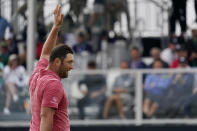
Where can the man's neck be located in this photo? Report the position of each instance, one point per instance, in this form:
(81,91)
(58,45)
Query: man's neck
(135,59)
(51,68)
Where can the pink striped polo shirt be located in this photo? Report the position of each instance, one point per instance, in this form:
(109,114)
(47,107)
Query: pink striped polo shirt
(46,90)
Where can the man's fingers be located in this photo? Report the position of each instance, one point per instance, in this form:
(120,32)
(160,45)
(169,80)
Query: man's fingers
(58,16)
(56,8)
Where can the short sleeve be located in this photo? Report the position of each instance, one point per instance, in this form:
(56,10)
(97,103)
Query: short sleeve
(52,95)
(42,64)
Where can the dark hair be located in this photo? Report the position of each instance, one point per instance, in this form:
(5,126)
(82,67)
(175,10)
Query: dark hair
(135,48)
(92,64)
(81,34)
(60,51)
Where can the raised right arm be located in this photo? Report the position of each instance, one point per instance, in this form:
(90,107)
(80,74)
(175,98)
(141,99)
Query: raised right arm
(51,40)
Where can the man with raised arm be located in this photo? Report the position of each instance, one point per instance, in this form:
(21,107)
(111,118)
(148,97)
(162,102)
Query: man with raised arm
(49,102)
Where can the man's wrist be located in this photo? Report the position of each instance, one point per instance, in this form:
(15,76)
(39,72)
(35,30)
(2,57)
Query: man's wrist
(56,27)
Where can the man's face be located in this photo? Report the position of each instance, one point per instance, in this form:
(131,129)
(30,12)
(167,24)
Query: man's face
(135,54)
(81,39)
(172,47)
(157,65)
(124,65)
(155,54)
(66,66)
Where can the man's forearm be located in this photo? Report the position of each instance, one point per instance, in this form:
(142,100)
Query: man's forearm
(46,124)
(51,41)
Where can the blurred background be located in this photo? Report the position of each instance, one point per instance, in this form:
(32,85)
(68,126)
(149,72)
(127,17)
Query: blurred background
(135,62)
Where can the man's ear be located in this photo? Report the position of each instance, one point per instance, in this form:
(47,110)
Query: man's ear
(57,61)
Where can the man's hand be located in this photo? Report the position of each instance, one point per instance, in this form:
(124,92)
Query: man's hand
(58,17)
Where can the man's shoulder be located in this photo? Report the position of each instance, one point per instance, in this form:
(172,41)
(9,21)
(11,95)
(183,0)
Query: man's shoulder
(48,78)
(50,82)
(45,78)
(41,64)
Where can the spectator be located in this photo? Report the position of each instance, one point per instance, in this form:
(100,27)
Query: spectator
(95,92)
(103,38)
(99,9)
(181,52)
(136,61)
(181,89)
(155,87)
(183,64)
(121,92)
(15,80)
(178,14)
(155,54)
(168,55)
(82,45)
(11,41)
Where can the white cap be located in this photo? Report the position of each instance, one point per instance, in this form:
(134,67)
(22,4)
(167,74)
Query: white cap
(12,57)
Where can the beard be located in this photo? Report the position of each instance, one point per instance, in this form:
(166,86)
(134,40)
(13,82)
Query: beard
(62,72)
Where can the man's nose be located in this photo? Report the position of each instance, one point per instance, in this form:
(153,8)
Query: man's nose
(71,67)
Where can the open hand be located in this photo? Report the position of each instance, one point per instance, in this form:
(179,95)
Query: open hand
(58,17)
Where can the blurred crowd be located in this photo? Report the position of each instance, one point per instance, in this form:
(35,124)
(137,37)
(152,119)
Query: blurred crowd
(98,48)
